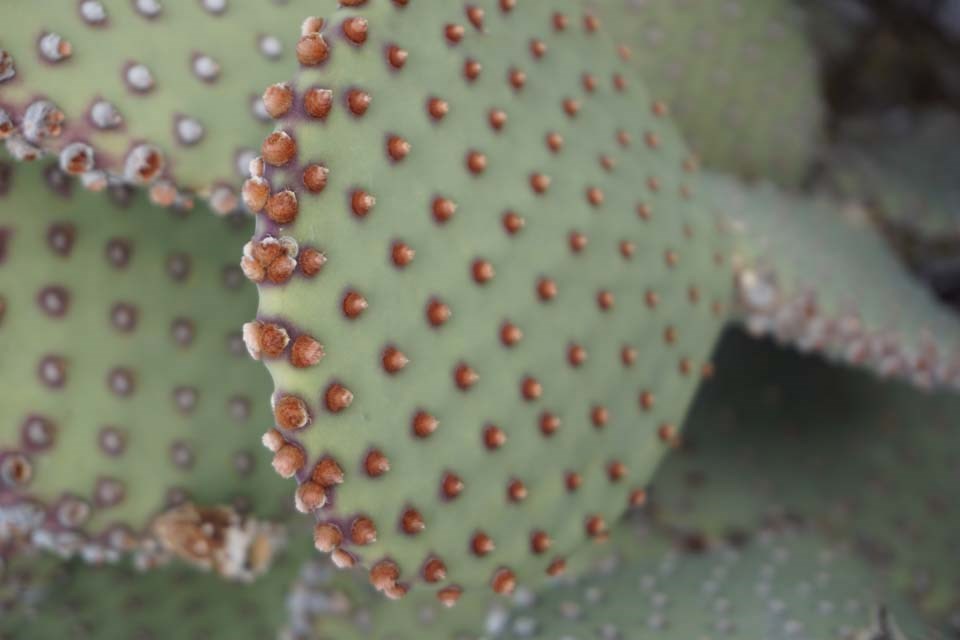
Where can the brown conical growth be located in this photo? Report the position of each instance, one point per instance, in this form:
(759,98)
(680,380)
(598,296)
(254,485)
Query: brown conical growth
(384,574)
(497,118)
(481,544)
(595,526)
(599,416)
(471,69)
(376,463)
(311,261)
(443,209)
(451,485)
(546,289)
(361,202)
(539,542)
(355,29)
(338,398)
(465,377)
(557,567)
(512,222)
(578,241)
(401,254)
(393,360)
(317,102)
(411,521)
(315,177)
(549,423)
(290,412)
(448,596)
(397,148)
(539,183)
(476,162)
(437,312)
(396,56)
(646,400)
(288,460)
(576,355)
(434,570)
(475,16)
(424,424)
(312,49)
(327,473)
(305,352)
(482,271)
(437,108)
(278,148)
(342,559)
(453,33)
(278,99)
(354,304)
(363,531)
(637,498)
(516,491)
(358,101)
(327,537)
(616,470)
(493,437)
(573,480)
(530,388)
(282,207)
(309,497)
(503,582)
(510,334)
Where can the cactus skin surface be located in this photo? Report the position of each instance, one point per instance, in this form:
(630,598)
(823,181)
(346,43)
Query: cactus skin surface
(500,247)
(899,164)
(144,86)
(118,602)
(721,67)
(127,389)
(781,438)
(819,276)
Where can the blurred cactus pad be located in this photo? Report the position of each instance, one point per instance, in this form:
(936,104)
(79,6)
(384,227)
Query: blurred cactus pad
(479,319)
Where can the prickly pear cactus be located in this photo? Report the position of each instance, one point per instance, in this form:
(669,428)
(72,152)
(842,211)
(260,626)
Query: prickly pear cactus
(127,388)
(779,585)
(120,602)
(488,288)
(817,275)
(902,166)
(777,438)
(146,91)
(721,67)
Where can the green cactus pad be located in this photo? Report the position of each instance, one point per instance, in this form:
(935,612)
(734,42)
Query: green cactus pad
(488,288)
(900,165)
(782,438)
(121,603)
(126,385)
(159,91)
(721,66)
(819,276)
(780,585)
(303,597)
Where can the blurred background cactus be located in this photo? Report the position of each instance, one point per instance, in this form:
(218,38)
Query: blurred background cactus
(487,319)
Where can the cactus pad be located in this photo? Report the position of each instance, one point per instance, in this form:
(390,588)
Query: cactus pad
(121,603)
(127,387)
(900,165)
(819,276)
(721,68)
(488,288)
(777,438)
(779,585)
(137,89)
